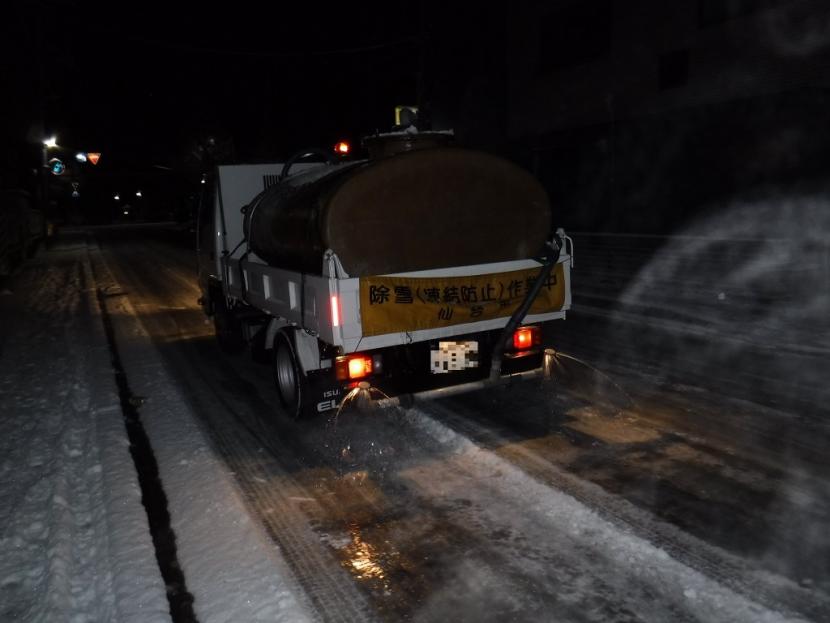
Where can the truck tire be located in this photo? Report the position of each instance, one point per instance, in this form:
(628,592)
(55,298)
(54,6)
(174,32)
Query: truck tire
(292,387)
(227,326)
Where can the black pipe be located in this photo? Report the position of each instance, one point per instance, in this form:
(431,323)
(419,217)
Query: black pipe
(328,157)
(548,262)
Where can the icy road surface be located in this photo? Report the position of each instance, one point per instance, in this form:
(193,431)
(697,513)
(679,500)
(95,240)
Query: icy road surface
(583,501)
(75,543)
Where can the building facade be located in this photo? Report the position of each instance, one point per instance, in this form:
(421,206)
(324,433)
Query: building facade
(641,115)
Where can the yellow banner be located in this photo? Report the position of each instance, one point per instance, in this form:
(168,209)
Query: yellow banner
(395,304)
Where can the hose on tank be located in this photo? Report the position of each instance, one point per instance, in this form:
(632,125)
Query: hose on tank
(548,260)
(327,157)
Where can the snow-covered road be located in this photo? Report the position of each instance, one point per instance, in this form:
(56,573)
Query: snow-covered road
(652,495)
(75,542)
(537,505)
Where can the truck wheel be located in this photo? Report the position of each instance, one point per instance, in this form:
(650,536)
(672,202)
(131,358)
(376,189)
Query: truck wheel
(227,326)
(288,377)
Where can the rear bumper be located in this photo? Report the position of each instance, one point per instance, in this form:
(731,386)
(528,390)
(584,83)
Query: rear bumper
(406,376)
(408,400)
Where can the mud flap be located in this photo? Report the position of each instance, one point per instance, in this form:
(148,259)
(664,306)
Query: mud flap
(324,392)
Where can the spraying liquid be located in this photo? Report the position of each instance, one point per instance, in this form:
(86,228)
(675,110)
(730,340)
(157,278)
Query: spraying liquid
(563,373)
(361,396)
(347,399)
(363,446)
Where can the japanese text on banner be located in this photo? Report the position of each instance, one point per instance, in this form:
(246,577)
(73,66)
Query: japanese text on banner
(394,304)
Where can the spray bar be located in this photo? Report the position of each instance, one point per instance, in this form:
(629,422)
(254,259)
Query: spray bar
(406,400)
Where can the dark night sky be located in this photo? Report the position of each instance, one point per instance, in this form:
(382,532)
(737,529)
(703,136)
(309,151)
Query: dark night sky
(147,83)
(138,82)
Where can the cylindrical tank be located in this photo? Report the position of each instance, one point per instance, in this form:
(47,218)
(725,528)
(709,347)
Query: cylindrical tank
(424,208)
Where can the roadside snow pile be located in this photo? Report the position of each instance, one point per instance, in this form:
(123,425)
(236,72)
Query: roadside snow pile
(75,542)
(233,569)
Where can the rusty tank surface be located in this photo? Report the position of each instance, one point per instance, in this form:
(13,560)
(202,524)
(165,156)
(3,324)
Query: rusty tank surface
(418,203)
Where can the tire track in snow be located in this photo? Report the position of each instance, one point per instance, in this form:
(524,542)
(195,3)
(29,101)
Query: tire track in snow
(547,481)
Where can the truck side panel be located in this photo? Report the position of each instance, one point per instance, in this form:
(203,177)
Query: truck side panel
(302,300)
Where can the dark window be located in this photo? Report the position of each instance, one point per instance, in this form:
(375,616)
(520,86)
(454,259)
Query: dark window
(673,69)
(575,34)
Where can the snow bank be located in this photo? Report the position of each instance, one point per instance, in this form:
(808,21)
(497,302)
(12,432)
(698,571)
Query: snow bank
(75,541)
(233,569)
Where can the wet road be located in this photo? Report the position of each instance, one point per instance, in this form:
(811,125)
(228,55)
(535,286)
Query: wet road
(654,490)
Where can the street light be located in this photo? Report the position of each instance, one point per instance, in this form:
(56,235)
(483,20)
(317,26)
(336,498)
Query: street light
(80,157)
(48,143)
(138,193)
(117,197)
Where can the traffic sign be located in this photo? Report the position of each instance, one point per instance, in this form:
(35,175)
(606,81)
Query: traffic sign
(93,157)
(56,166)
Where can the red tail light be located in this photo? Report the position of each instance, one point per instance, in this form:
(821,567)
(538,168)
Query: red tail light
(353,367)
(526,337)
(342,148)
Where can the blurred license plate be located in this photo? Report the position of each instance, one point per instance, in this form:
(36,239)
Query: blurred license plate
(453,357)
